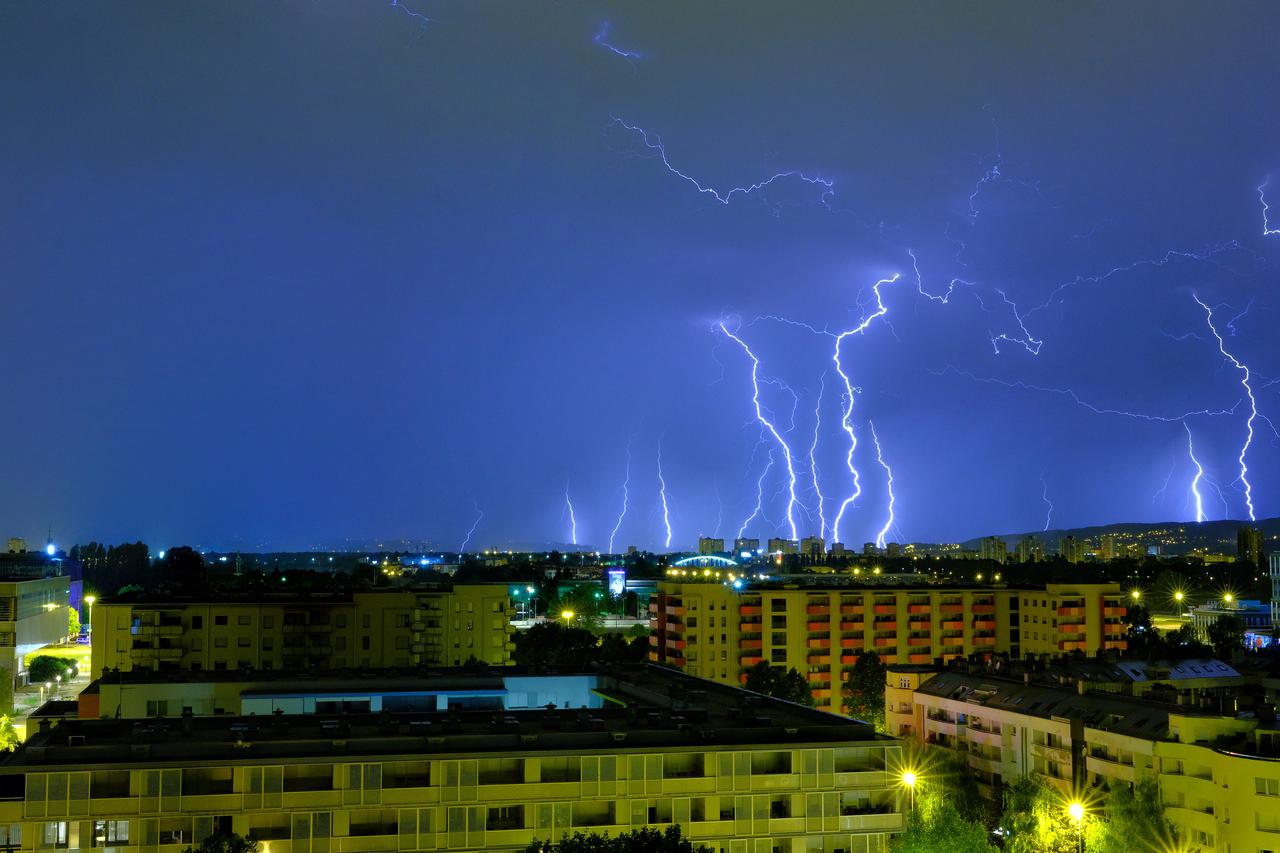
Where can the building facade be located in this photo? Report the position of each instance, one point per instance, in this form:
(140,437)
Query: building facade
(737,772)
(430,627)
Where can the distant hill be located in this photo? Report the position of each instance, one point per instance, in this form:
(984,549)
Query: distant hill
(1174,536)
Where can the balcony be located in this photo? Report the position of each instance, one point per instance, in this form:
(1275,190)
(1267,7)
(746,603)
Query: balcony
(818,610)
(750,610)
(819,660)
(1119,612)
(819,626)
(885,626)
(920,658)
(749,660)
(1116,644)
(823,677)
(919,608)
(953,626)
(981,609)
(848,660)
(852,609)
(919,641)
(1072,645)
(1071,628)
(751,644)
(852,642)
(1071,611)
(819,642)
(851,626)
(984,625)
(951,608)
(675,643)
(885,609)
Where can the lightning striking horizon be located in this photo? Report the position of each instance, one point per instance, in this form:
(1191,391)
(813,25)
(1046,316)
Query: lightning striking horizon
(846,421)
(1253,404)
(573,520)
(626,485)
(654,143)
(662,493)
(813,458)
(462,549)
(1044,496)
(884,531)
(759,496)
(1267,230)
(1195,481)
(768,425)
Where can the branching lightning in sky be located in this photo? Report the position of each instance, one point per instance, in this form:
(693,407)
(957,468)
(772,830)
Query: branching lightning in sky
(1253,405)
(1267,230)
(462,549)
(813,458)
(1044,496)
(884,531)
(421,19)
(654,143)
(945,298)
(1027,341)
(846,420)
(662,494)
(759,496)
(626,485)
(1075,398)
(1195,481)
(602,39)
(573,520)
(768,425)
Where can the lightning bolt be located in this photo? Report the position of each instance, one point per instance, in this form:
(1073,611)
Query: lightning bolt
(889,478)
(662,493)
(768,425)
(421,19)
(846,421)
(1253,405)
(813,458)
(462,549)
(1267,230)
(1195,481)
(1044,496)
(654,143)
(626,485)
(601,38)
(573,521)
(759,496)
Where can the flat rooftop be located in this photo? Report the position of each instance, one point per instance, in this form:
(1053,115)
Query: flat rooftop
(645,707)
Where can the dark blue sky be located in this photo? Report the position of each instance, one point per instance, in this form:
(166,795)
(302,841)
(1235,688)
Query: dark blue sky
(283,273)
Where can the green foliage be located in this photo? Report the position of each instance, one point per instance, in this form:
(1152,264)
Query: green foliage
(864,690)
(1132,819)
(647,840)
(225,842)
(73,622)
(554,644)
(45,667)
(6,690)
(1226,635)
(1036,820)
(788,684)
(936,824)
(945,771)
(1145,642)
(8,734)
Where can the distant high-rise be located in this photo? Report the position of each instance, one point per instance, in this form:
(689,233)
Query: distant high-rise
(993,548)
(1275,589)
(740,545)
(1072,549)
(1110,549)
(782,546)
(893,549)
(707,545)
(813,546)
(837,549)
(1030,549)
(869,549)
(1249,546)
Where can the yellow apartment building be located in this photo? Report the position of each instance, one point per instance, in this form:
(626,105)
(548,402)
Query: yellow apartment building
(1072,617)
(428,627)
(712,630)
(33,614)
(737,772)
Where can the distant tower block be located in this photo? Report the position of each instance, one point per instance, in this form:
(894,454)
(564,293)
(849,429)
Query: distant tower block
(708,545)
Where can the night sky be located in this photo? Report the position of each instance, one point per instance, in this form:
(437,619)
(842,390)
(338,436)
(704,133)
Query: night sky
(276,274)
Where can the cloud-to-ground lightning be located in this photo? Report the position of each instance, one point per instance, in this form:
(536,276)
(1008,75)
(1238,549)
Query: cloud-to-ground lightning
(602,39)
(626,496)
(462,549)
(573,519)
(654,143)
(888,472)
(813,458)
(662,494)
(846,420)
(759,496)
(1195,481)
(1044,496)
(422,20)
(1253,405)
(768,425)
(1267,230)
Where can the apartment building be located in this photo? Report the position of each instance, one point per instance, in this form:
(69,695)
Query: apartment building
(1218,774)
(716,631)
(444,626)
(736,771)
(33,614)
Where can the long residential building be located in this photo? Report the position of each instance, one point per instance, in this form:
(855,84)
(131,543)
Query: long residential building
(1218,773)
(713,630)
(638,746)
(444,626)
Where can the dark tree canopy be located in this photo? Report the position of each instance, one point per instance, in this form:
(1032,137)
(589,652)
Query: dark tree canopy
(225,842)
(864,690)
(647,840)
(788,684)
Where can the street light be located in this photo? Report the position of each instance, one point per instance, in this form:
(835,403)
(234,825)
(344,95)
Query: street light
(909,779)
(1076,811)
(89,600)
(1136,595)
(567,615)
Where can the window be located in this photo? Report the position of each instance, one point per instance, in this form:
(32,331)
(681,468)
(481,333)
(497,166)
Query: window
(365,621)
(1266,787)
(244,619)
(778,622)
(197,622)
(402,642)
(904,682)
(268,644)
(779,639)
(268,621)
(219,642)
(157,707)
(339,643)
(778,656)
(242,642)
(219,620)
(364,643)
(109,833)
(54,834)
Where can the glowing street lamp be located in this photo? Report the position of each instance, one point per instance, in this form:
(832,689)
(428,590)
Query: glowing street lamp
(1136,595)
(909,780)
(89,600)
(1076,812)
(567,615)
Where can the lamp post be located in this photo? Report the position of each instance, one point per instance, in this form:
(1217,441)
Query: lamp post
(89,600)
(1076,812)
(909,780)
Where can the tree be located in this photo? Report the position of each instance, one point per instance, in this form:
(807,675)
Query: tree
(936,824)
(554,644)
(45,667)
(1226,635)
(73,622)
(225,842)
(787,684)
(8,735)
(864,690)
(1134,819)
(1036,819)
(647,840)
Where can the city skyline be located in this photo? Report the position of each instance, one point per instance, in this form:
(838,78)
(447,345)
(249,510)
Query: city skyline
(368,280)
